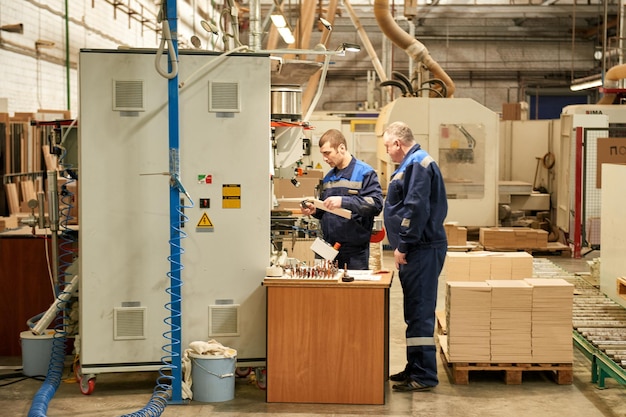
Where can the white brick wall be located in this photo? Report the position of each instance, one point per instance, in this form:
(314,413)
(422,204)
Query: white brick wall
(35,78)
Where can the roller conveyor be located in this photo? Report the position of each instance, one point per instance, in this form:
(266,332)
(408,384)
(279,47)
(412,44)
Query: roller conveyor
(599,326)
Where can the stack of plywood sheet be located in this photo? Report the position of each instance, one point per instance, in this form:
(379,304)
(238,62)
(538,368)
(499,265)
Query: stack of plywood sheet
(511,303)
(484,265)
(509,321)
(513,238)
(552,305)
(468,321)
(457,267)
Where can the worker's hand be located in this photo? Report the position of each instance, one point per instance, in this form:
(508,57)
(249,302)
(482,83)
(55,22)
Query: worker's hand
(399,257)
(332,203)
(307,208)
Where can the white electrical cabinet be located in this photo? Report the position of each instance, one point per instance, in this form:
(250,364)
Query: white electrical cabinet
(125,225)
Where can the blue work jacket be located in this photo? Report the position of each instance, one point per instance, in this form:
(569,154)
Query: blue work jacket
(416,204)
(361,193)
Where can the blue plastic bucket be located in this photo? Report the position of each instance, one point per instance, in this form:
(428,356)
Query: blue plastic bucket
(36,352)
(213,378)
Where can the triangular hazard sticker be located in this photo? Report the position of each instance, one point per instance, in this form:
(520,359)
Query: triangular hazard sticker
(205,221)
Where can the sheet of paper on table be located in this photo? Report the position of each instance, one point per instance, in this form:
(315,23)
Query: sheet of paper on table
(364,275)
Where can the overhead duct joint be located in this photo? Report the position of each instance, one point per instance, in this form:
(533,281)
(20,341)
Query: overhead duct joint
(413,48)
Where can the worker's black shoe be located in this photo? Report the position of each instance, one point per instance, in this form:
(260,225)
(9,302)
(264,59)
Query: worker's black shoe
(399,377)
(410,386)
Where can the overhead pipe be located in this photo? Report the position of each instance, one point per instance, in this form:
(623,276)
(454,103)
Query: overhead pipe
(611,80)
(415,49)
(366,42)
(256,31)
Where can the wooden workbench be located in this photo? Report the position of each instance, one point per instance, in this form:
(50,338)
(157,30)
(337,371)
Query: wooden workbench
(327,340)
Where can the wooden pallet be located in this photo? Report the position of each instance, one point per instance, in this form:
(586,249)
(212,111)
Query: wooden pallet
(459,371)
(553,248)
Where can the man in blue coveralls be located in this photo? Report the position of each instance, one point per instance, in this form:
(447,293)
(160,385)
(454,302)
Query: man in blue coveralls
(415,209)
(350,184)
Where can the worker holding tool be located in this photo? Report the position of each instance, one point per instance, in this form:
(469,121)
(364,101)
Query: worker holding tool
(415,209)
(353,185)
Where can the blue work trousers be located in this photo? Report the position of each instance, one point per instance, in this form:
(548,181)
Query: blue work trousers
(419,279)
(356,257)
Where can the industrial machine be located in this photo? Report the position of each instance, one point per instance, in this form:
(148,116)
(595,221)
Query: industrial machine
(462,136)
(125,227)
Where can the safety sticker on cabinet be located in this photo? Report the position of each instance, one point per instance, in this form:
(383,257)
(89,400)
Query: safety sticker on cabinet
(231,196)
(205,224)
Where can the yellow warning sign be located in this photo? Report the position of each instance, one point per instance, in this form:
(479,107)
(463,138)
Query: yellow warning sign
(205,221)
(231,196)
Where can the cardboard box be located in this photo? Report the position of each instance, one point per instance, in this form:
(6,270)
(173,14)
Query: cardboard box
(457,235)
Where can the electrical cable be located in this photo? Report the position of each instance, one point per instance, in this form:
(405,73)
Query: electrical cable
(443,89)
(211,63)
(166,39)
(395,83)
(404,79)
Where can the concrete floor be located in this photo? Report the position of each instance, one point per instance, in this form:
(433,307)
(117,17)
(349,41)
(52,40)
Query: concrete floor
(486,395)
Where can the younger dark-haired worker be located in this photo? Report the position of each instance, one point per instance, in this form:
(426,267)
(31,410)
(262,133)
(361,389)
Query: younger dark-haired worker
(353,185)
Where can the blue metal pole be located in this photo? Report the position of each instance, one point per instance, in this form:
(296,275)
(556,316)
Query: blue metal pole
(175,209)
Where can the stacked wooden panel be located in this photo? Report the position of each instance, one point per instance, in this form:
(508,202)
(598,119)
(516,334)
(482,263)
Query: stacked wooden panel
(484,265)
(511,304)
(468,321)
(552,305)
(509,321)
(513,238)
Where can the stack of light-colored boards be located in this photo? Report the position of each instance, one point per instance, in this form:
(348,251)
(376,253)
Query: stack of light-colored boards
(513,321)
(511,304)
(552,320)
(512,238)
(484,265)
(468,321)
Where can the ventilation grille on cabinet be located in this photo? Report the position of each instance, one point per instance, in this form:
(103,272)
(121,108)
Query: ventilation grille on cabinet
(128,95)
(224,320)
(129,323)
(224,97)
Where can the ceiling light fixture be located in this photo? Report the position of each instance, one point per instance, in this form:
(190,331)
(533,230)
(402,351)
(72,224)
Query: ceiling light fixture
(348,47)
(351,47)
(585,83)
(326,24)
(209,27)
(16,28)
(283,28)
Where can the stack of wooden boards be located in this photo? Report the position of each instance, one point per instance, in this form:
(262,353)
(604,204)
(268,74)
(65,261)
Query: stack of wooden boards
(483,265)
(513,321)
(498,317)
(498,238)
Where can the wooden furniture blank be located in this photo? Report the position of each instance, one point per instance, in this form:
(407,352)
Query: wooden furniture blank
(327,341)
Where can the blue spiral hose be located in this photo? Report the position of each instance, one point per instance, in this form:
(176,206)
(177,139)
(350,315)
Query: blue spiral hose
(161,395)
(41,400)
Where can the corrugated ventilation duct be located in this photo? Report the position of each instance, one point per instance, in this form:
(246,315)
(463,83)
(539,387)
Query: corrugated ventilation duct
(611,80)
(415,49)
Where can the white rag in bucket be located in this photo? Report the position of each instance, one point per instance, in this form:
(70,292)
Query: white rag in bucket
(210,348)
